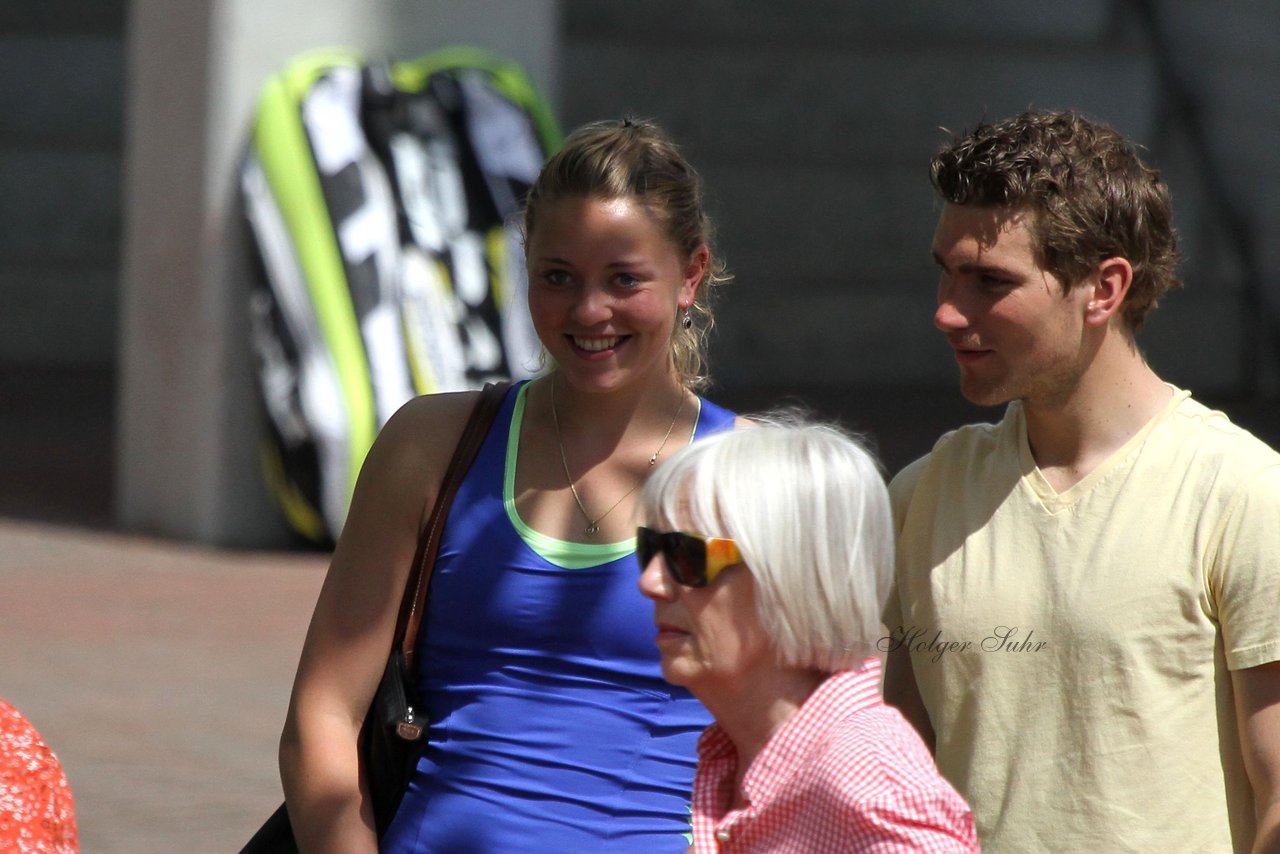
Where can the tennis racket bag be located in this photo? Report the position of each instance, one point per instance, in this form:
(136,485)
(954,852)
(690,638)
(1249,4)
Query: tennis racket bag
(382,201)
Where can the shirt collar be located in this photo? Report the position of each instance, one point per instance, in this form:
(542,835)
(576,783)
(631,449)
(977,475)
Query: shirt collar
(840,695)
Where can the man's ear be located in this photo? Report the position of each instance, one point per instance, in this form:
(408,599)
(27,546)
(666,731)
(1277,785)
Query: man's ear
(1110,284)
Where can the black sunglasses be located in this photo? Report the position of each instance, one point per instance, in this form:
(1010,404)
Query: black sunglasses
(691,559)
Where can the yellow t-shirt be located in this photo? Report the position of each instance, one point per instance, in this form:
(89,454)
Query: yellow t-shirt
(1073,648)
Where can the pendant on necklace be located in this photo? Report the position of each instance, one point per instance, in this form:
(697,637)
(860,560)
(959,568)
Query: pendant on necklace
(593,528)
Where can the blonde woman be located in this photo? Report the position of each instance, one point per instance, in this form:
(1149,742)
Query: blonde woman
(551,728)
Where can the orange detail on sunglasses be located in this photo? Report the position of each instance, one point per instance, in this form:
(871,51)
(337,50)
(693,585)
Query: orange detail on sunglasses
(691,560)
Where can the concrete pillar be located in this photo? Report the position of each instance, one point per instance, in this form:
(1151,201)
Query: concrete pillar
(188,419)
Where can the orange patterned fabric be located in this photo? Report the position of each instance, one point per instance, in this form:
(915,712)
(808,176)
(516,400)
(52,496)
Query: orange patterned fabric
(36,814)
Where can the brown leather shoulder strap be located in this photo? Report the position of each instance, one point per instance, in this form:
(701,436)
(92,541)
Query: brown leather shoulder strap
(414,601)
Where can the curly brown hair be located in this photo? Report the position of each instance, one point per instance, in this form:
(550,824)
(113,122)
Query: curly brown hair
(635,159)
(1092,198)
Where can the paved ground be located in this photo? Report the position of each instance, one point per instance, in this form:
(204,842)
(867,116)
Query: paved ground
(159,674)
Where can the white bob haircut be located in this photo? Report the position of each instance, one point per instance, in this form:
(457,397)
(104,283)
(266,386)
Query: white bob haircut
(807,505)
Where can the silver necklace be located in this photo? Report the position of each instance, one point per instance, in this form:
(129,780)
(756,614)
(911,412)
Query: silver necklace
(593,525)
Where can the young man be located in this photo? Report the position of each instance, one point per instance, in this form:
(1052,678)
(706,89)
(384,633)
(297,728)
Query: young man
(1086,623)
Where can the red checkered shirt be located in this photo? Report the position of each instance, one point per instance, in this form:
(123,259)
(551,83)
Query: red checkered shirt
(846,773)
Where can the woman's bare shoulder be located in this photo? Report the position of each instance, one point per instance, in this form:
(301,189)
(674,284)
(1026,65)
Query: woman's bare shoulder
(429,418)
(413,448)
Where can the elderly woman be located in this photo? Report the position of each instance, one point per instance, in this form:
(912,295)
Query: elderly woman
(768,553)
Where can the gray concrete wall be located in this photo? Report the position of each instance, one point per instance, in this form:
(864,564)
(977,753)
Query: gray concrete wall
(1226,57)
(187,420)
(61,96)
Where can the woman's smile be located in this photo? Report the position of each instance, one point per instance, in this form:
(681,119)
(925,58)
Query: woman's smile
(605,283)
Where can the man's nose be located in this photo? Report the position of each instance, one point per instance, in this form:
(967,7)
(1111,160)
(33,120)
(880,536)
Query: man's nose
(949,317)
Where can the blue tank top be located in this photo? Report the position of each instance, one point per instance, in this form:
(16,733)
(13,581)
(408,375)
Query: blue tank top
(552,728)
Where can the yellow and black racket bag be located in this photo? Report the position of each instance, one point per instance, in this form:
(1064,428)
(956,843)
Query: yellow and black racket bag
(382,202)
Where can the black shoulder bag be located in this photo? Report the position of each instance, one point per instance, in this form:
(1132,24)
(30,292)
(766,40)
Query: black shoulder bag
(391,739)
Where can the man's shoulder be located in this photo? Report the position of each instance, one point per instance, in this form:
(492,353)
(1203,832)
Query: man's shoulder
(961,448)
(1216,443)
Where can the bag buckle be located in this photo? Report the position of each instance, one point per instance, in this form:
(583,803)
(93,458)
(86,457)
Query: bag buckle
(408,727)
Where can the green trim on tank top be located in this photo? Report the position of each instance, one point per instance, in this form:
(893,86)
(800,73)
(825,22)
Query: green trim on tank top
(561,553)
